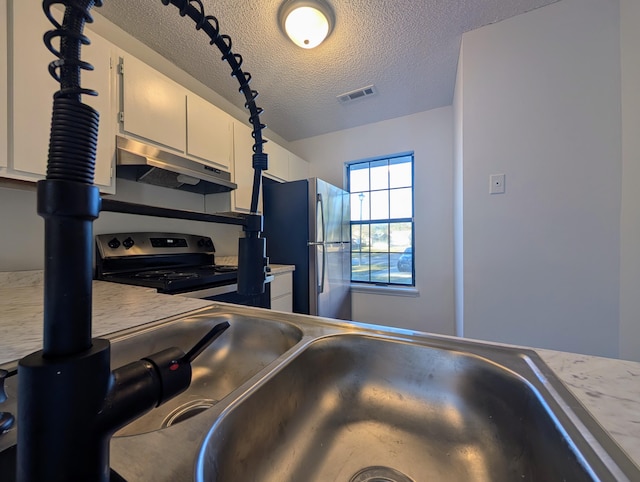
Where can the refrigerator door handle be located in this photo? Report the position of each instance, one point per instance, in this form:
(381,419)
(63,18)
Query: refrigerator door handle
(320,239)
(320,216)
(322,254)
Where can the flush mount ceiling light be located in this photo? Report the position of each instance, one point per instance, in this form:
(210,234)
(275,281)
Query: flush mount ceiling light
(306,22)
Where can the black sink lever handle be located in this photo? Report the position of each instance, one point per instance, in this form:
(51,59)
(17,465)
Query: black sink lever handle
(204,342)
(149,382)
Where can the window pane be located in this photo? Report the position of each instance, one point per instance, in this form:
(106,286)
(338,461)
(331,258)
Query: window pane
(400,236)
(356,236)
(402,267)
(401,205)
(360,266)
(380,237)
(359,177)
(380,191)
(380,205)
(379,267)
(400,273)
(379,175)
(400,172)
(359,237)
(360,206)
(365,237)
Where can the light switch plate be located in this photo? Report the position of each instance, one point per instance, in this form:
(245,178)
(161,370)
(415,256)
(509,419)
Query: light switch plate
(496,184)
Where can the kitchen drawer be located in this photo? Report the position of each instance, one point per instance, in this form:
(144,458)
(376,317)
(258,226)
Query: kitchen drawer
(283,303)
(281,285)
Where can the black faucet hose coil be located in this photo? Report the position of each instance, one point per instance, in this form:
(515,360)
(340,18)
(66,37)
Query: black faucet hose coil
(69,400)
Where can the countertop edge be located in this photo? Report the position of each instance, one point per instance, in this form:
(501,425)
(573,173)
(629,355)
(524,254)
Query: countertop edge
(277,269)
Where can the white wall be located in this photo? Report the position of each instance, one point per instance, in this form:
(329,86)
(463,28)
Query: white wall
(541,104)
(429,135)
(22,234)
(630,220)
(458,198)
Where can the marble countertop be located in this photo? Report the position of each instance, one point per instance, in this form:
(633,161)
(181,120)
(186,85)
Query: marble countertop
(608,388)
(115,307)
(277,269)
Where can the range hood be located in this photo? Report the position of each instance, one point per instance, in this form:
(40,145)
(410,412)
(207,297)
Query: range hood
(140,162)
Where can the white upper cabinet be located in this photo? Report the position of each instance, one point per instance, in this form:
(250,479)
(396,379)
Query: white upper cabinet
(153,106)
(283,166)
(31,89)
(101,55)
(209,133)
(243,169)
(278,161)
(298,168)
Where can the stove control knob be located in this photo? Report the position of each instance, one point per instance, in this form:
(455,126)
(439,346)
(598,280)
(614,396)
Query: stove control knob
(208,243)
(127,243)
(201,242)
(114,243)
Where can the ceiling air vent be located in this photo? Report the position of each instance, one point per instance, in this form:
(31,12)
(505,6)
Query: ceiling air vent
(357,94)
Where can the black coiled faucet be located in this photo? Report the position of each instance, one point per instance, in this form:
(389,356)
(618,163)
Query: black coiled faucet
(69,400)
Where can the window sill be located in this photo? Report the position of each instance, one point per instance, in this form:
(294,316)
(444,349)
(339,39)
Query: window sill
(409,291)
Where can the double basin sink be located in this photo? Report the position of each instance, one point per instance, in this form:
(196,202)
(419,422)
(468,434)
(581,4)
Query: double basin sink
(282,397)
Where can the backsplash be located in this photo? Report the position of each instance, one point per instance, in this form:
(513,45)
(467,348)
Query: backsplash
(22,239)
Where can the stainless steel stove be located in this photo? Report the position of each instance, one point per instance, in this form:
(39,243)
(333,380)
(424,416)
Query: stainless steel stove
(171,263)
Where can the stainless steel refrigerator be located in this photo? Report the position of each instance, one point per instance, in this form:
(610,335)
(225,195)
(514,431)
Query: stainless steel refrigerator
(306,224)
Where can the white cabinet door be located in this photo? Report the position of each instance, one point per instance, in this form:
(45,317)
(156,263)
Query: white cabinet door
(284,303)
(154,107)
(102,79)
(298,168)
(282,292)
(209,133)
(278,161)
(243,169)
(32,91)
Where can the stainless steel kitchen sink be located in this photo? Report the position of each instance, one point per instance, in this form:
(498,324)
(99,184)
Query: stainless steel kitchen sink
(291,398)
(353,405)
(355,408)
(243,350)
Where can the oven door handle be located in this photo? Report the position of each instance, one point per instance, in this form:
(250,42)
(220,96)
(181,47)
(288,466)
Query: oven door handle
(209,292)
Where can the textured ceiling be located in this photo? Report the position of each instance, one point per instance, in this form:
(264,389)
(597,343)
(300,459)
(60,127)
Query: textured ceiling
(407,48)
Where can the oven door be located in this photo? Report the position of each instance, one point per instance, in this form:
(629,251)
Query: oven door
(229,294)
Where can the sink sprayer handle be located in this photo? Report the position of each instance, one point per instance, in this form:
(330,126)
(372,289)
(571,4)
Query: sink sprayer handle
(205,341)
(149,382)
